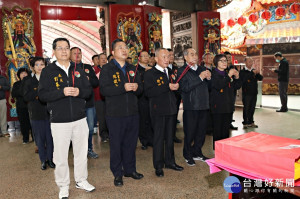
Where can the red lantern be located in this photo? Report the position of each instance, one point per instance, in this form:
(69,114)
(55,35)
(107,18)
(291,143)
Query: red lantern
(280,11)
(266,15)
(294,8)
(242,20)
(230,22)
(253,18)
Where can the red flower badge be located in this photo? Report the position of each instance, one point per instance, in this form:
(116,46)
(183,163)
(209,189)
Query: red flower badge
(77,74)
(131,73)
(173,77)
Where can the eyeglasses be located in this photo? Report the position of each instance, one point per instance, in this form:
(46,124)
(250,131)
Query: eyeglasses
(122,48)
(62,49)
(223,60)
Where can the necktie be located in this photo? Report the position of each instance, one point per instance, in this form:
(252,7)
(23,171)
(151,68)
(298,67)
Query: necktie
(165,71)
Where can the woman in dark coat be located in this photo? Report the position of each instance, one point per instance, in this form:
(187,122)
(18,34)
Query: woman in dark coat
(38,114)
(221,97)
(21,105)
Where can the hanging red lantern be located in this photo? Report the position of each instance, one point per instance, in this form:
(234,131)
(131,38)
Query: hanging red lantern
(294,8)
(253,18)
(230,22)
(280,11)
(242,20)
(266,15)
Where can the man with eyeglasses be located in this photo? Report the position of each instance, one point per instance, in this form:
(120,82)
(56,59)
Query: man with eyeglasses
(120,84)
(65,89)
(145,132)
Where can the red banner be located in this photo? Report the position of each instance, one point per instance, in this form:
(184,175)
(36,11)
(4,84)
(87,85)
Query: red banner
(68,13)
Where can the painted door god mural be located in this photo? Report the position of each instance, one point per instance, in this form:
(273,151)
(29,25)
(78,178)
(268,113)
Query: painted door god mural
(155,33)
(129,30)
(19,45)
(212,36)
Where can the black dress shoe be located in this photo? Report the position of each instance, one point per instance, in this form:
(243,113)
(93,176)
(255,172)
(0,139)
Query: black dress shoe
(144,147)
(174,167)
(51,164)
(159,172)
(44,166)
(134,175)
(176,140)
(118,181)
(233,127)
(281,110)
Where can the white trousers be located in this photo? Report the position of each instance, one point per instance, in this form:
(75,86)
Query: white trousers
(63,133)
(3,117)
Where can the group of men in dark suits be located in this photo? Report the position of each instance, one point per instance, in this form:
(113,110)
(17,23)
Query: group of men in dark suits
(155,91)
(140,101)
(143,102)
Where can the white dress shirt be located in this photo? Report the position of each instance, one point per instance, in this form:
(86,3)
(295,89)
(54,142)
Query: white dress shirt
(63,67)
(158,67)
